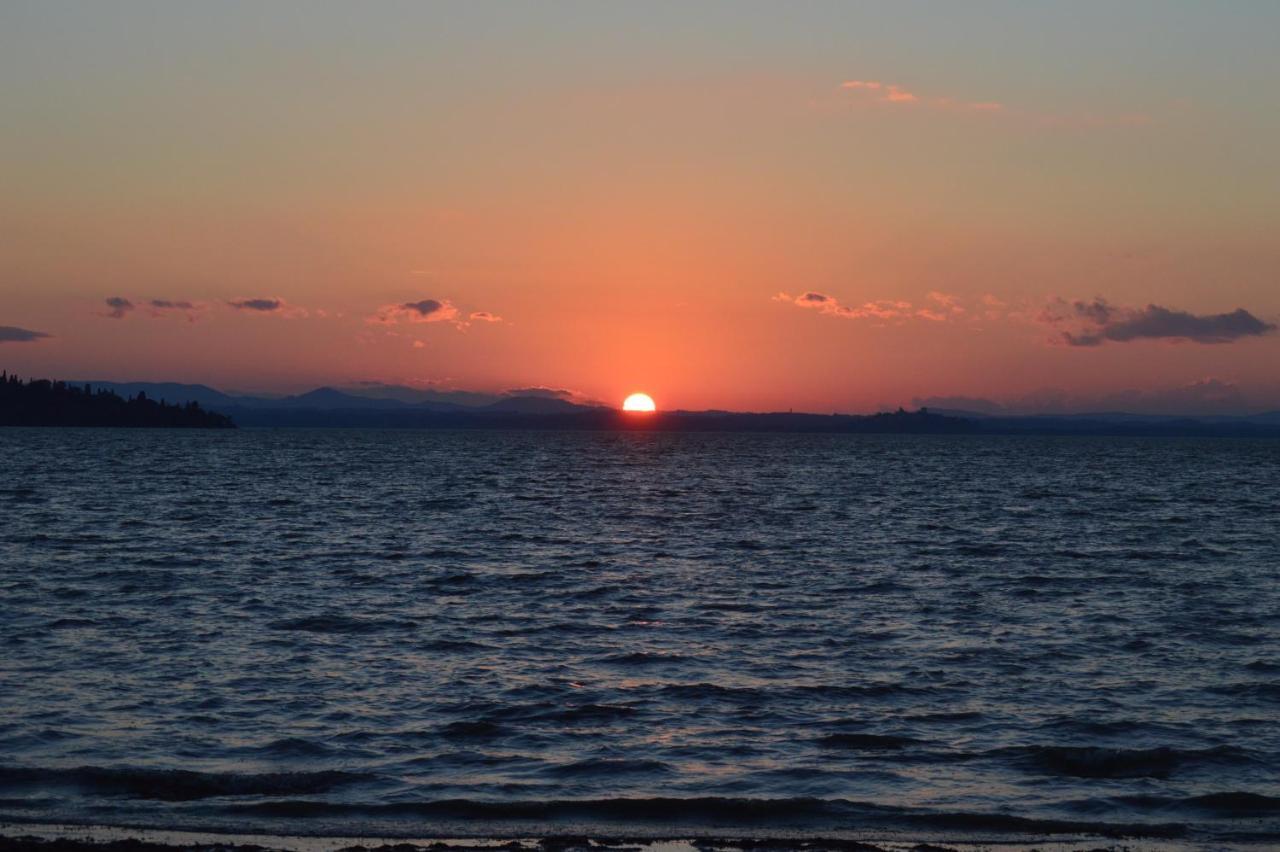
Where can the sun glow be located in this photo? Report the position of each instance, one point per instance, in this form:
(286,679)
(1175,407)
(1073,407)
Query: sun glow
(639,402)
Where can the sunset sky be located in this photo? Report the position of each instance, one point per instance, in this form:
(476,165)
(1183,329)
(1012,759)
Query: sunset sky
(818,206)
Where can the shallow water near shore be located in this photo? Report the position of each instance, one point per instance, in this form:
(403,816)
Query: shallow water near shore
(393,633)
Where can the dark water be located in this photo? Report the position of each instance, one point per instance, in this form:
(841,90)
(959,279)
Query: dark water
(342,631)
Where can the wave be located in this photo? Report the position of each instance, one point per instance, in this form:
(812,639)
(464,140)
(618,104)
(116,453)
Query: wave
(294,747)
(1267,691)
(333,623)
(176,785)
(1097,762)
(712,691)
(601,713)
(480,730)
(866,742)
(708,812)
(453,645)
(609,768)
(1232,805)
(642,658)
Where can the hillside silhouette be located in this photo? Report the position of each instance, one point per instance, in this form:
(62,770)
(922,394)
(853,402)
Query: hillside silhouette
(40,402)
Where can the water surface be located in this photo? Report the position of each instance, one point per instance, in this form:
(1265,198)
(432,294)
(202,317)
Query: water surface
(341,631)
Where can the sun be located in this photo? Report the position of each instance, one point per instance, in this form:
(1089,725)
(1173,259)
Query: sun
(639,402)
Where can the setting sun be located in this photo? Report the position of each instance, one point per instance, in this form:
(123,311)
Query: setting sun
(639,402)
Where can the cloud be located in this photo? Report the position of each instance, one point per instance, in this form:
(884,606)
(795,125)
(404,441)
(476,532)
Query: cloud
(1098,321)
(13,334)
(260,305)
(542,392)
(430,310)
(423,310)
(162,307)
(118,307)
(892,93)
(946,307)
(949,303)
(877,92)
(898,95)
(272,306)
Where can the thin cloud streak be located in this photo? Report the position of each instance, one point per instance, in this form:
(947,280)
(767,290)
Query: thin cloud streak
(13,334)
(892,93)
(877,92)
(946,307)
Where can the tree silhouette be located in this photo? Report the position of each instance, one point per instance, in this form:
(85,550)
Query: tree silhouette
(41,402)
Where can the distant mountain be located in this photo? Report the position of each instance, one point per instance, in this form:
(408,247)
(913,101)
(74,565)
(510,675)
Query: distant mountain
(536,405)
(419,396)
(329,398)
(1269,417)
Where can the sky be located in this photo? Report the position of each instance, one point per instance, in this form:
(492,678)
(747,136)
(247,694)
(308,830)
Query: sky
(755,206)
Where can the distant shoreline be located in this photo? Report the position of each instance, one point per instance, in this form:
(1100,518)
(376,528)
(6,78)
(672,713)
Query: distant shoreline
(43,403)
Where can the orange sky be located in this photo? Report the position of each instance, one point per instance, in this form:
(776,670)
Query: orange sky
(607,200)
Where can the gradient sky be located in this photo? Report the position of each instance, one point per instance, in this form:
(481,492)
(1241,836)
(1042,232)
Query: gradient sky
(819,206)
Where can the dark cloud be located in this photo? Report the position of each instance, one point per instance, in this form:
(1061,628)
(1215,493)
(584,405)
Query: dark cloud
(118,307)
(542,392)
(261,305)
(1099,322)
(429,310)
(13,334)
